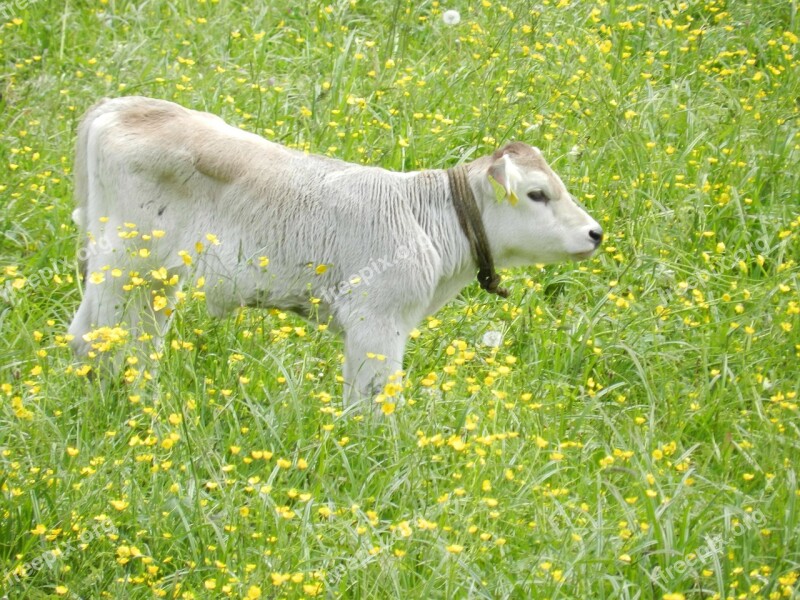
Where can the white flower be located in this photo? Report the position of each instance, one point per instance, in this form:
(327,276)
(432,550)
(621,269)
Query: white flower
(493,339)
(451,17)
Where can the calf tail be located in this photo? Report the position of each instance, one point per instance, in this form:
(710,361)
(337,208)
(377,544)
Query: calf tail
(80,215)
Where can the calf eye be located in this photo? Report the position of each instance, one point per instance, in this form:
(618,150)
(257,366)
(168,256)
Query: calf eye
(537,196)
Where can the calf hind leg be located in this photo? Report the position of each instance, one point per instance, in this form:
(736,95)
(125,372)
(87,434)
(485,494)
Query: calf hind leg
(120,315)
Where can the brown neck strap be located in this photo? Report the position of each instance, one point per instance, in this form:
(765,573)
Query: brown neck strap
(469,217)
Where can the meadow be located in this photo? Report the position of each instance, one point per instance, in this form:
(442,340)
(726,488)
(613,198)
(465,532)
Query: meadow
(624,427)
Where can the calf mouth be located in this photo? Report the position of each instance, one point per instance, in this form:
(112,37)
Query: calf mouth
(583,255)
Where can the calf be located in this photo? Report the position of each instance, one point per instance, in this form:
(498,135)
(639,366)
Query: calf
(167,195)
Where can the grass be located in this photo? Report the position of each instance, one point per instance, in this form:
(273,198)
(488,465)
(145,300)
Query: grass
(635,434)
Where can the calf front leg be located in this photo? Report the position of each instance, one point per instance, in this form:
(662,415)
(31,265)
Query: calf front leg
(373,352)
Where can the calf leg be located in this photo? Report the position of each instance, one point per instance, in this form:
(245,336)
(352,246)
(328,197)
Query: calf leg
(373,351)
(98,330)
(120,313)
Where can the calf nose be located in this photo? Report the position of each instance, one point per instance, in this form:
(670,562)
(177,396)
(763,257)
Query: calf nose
(596,235)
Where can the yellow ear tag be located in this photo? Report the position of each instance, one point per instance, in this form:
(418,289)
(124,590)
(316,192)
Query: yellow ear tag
(499,190)
(512,198)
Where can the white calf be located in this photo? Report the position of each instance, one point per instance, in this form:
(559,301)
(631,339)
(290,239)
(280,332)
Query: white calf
(167,195)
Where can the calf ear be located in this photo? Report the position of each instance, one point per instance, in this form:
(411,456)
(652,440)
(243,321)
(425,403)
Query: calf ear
(501,174)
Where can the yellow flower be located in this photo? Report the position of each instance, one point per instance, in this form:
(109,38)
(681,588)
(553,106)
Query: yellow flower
(39,530)
(392,389)
(387,408)
(429,380)
(159,302)
(253,593)
(185,257)
(119,504)
(788,579)
(285,512)
(19,410)
(606,461)
(312,589)
(455,548)
(456,443)
(404,529)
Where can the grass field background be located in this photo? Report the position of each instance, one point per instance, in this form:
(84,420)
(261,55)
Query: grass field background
(635,433)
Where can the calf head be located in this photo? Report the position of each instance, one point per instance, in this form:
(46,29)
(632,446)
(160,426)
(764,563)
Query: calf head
(536,220)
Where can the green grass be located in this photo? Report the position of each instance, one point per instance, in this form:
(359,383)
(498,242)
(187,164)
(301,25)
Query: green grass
(636,435)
